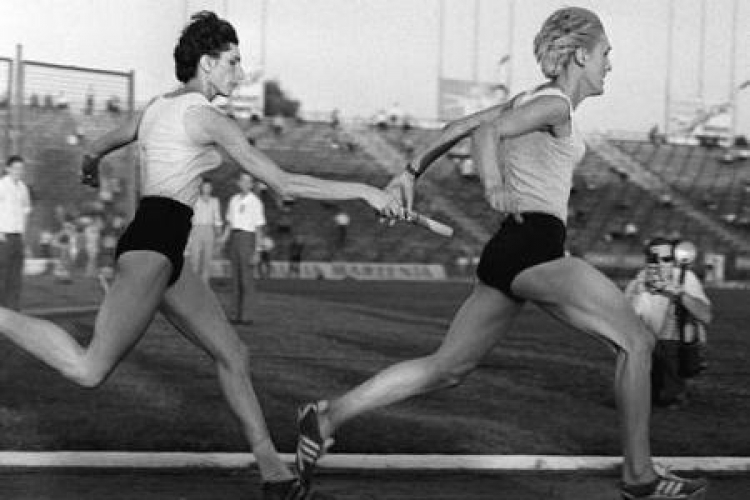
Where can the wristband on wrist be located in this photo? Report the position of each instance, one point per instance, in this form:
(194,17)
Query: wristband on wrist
(413,171)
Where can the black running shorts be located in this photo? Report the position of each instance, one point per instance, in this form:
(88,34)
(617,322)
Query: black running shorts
(539,238)
(160,225)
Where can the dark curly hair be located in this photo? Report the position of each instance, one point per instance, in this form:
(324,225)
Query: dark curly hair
(206,34)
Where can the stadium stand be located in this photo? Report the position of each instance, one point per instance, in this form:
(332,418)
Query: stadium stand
(673,190)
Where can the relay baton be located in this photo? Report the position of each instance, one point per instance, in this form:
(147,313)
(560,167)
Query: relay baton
(431,224)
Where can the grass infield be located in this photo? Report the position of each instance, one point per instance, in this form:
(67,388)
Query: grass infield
(545,390)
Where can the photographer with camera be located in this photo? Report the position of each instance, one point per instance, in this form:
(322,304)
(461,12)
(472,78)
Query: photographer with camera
(670,300)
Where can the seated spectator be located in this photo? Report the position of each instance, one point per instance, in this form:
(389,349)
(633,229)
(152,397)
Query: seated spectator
(342,221)
(665,200)
(277,124)
(381,120)
(395,115)
(89,107)
(655,137)
(61,102)
(113,104)
(631,230)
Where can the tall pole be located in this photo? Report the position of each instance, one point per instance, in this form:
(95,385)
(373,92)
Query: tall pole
(511,25)
(475,70)
(440,47)
(702,51)
(668,76)
(263,27)
(16,131)
(733,73)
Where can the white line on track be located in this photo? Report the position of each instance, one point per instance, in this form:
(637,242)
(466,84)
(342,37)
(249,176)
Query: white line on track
(146,460)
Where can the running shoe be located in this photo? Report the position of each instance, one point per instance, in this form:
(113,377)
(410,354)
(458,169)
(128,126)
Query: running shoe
(666,486)
(310,443)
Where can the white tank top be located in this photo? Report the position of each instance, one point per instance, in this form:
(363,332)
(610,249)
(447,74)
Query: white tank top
(171,163)
(536,169)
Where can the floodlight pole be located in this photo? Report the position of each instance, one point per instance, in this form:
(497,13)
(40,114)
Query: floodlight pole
(440,42)
(668,76)
(263,34)
(475,61)
(511,24)
(702,51)
(733,89)
(16,104)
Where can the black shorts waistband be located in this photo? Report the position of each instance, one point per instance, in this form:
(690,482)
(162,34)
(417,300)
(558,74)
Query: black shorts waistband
(162,203)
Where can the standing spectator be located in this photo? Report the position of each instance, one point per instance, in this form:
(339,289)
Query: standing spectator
(206,230)
(342,227)
(113,227)
(89,109)
(335,119)
(296,247)
(15,206)
(669,299)
(265,248)
(245,221)
(66,242)
(92,239)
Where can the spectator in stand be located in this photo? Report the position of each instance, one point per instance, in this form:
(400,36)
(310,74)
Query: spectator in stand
(630,230)
(246,219)
(113,105)
(206,231)
(111,232)
(15,206)
(66,241)
(342,221)
(278,124)
(381,120)
(655,137)
(89,109)
(660,293)
(395,115)
(61,102)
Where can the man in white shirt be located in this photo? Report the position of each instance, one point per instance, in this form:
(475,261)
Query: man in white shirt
(245,222)
(15,206)
(205,232)
(656,293)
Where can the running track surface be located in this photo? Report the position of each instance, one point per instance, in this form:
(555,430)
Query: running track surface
(203,484)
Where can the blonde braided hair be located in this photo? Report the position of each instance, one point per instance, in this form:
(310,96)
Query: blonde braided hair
(561,34)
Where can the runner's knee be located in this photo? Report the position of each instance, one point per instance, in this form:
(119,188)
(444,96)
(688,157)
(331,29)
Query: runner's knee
(639,343)
(451,374)
(86,375)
